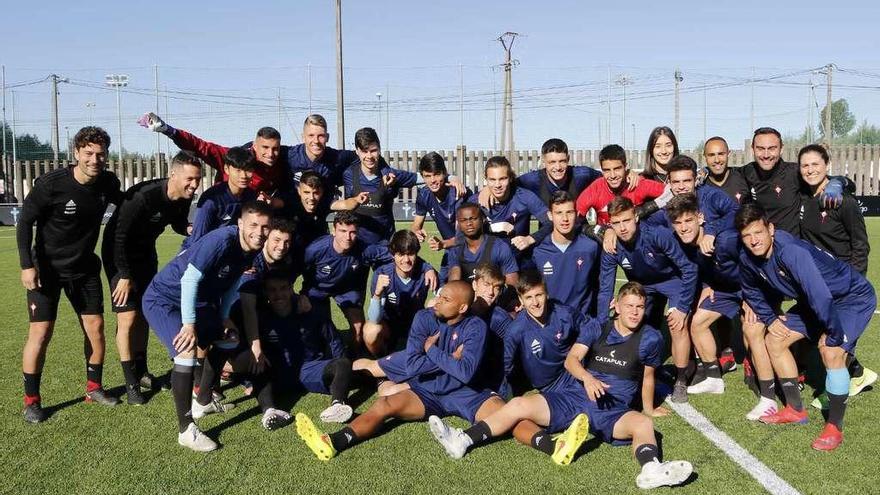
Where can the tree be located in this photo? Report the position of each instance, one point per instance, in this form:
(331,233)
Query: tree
(842,120)
(27,147)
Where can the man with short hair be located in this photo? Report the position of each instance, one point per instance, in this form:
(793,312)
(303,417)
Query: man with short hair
(728,179)
(130,259)
(651,256)
(266,149)
(187,304)
(568,259)
(444,350)
(834,305)
(477,247)
(220,205)
(66,206)
(370,189)
(538,339)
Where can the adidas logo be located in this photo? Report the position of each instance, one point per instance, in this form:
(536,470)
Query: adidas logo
(326,269)
(536,347)
(626,264)
(548,268)
(348,436)
(227,217)
(392,298)
(156,217)
(538,439)
(70,208)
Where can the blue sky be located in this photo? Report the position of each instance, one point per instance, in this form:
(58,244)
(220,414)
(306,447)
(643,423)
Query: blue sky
(224,67)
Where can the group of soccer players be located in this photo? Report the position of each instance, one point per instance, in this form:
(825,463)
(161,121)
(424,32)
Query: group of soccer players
(510,308)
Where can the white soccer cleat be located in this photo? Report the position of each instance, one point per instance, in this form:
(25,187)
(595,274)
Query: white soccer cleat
(215,406)
(655,474)
(764,407)
(453,440)
(274,419)
(338,412)
(707,386)
(194,439)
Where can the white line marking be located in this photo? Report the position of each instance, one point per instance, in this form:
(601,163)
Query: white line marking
(751,465)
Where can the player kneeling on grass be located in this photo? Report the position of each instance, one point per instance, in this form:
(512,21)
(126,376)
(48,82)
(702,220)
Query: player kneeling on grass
(621,356)
(834,306)
(444,349)
(539,338)
(399,290)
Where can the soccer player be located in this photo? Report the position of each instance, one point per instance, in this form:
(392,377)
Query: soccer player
(730,180)
(476,247)
(130,259)
(597,196)
(370,190)
(337,265)
(557,174)
(304,348)
(187,303)
(651,256)
(539,339)
(438,198)
(834,306)
(662,147)
(568,259)
(308,211)
(839,231)
(266,149)
(220,205)
(512,209)
(444,350)
(720,299)
(621,358)
(399,290)
(66,207)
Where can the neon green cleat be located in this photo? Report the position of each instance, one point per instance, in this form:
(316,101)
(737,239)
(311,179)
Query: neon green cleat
(820,402)
(856,385)
(317,441)
(571,440)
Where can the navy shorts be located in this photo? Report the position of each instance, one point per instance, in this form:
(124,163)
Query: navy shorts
(727,304)
(394,366)
(311,376)
(165,320)
(604,414)
(854,314)
(84,294)
(566,398)
(463,402)
(661,293)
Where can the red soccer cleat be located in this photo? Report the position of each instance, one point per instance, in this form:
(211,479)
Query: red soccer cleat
(829,439)
(785,416)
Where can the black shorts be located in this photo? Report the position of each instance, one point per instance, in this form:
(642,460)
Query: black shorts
(84,293)
(139,282)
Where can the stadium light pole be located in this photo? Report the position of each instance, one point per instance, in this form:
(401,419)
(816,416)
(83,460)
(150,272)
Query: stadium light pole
(118,81)
(90,107)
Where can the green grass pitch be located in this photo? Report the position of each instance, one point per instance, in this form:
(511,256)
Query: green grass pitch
(87,448)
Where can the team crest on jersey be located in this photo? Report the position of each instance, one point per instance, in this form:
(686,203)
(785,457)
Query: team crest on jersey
(514,216)
(559,335)
(454,336)
(738,197)
(326,269)
(823,216)
(392,298)
(778,190)
(626,264)
(548,268)
(70,208)
(650,255)
(536,347)
(782,273)
(579,262)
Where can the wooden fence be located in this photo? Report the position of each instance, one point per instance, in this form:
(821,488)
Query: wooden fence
(861,163)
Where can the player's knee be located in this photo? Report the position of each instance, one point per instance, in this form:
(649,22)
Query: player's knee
(832,357)
(754,333)
(40,334)
(643,423)
(775,346)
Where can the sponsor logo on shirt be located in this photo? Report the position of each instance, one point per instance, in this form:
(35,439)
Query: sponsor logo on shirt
(610,359)
(548,268)
(70,208)
(536,347)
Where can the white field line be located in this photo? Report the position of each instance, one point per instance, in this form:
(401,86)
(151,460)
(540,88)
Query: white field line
(751,465)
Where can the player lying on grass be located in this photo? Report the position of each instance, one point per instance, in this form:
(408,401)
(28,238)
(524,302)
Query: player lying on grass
(444,350)
(834,306)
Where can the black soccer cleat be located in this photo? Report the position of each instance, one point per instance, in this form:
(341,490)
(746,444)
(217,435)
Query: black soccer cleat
(100,396)
(134,395)
(34,413)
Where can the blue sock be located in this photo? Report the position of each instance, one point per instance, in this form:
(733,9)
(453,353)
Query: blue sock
(837,388)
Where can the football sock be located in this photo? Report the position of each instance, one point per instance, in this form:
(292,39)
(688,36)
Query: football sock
(479,433)
(646,453)
(792,393)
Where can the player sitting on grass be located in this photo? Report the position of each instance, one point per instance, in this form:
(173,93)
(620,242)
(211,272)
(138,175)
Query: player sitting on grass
(399,291)
(444,350)
(539,338)
(621,357)
(834,306)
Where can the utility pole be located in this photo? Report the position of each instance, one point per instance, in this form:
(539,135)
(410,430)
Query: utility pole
(14,150)
(678,79)
(90,107)
(158,134)
(811,96)
(623,81)
(608,108)
(507,145)
(55,138)
(829,132)
(461,104)
(118,81)
(340,106)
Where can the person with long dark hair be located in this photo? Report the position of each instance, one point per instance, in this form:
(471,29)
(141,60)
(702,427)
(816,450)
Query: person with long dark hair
(662,147)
